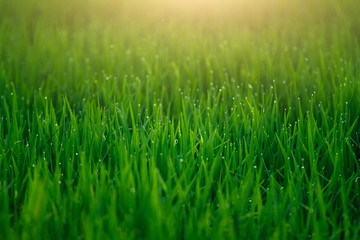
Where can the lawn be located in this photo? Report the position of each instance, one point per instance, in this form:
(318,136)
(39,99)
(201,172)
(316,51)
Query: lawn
(154,119)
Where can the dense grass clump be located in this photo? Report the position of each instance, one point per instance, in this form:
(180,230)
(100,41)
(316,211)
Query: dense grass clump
(153,120)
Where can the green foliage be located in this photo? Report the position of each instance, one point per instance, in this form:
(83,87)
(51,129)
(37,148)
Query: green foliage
(128,122)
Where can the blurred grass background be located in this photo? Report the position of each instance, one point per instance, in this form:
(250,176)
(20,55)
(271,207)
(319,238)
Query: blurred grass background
(82,41)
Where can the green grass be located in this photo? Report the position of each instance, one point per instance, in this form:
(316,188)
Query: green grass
(233,121)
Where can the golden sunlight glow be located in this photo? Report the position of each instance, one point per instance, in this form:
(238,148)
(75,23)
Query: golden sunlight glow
(205,7)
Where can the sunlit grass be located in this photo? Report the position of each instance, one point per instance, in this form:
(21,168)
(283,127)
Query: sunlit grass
(139,120)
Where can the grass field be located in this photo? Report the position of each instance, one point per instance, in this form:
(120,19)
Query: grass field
(179,119)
